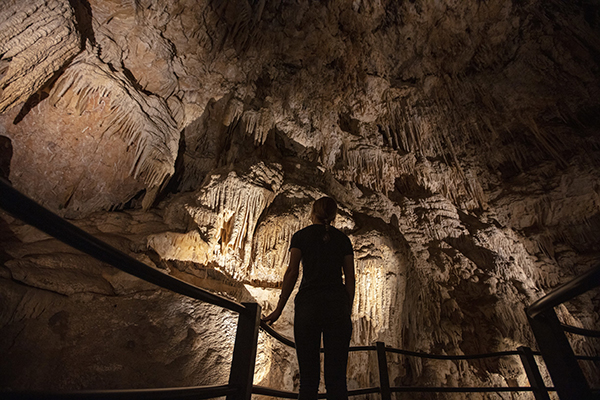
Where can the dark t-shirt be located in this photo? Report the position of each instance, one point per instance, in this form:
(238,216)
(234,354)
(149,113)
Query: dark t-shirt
(322,262)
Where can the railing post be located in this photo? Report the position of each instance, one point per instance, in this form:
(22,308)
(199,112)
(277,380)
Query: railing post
(244,352)
(384,378)
(568,379)
(533,373)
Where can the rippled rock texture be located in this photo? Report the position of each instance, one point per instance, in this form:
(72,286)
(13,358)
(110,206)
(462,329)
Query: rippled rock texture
(460,139)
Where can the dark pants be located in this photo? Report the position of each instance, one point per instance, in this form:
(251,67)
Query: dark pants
(324,312)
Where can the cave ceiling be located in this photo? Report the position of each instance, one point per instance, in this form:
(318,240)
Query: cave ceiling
(460,138)
(456,98)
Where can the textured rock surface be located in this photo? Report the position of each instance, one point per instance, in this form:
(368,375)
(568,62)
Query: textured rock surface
(459,137)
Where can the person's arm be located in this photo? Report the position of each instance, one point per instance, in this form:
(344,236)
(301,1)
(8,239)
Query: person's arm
(289,281)
(349,277)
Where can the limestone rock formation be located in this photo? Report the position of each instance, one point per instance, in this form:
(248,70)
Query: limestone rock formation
(460,139)
(37,40)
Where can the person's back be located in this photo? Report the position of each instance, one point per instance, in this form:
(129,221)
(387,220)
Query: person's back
(322,260)
(323,303)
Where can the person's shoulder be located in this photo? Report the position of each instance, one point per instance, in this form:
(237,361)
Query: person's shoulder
(341,235)
(304,232)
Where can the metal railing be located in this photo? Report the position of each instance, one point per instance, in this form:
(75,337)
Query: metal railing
(525,353)
(188,393)
(241,373)
(240,385)
(549,332)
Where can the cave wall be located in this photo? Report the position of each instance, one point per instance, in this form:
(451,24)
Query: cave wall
(460,139)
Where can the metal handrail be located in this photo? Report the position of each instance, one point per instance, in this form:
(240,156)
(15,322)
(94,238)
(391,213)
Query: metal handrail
(187,393)
(285,394)
(453,357)
(549,332)
(537,385)
(565,292)
(267,328)
(289,342)
(587,358)
(450,389)
(39,217)
(580,331)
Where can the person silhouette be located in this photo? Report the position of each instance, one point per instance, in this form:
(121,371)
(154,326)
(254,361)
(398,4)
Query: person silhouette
(323,303)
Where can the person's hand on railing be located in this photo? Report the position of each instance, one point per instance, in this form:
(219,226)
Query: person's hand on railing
(274,316)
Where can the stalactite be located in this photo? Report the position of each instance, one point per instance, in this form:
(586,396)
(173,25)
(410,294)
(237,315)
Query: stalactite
(257,124)
(250,119)
(144,122)
(232,205)
(372,166)
(233,111)
(270,253)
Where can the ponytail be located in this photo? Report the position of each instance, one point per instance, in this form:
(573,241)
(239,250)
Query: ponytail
(326,236)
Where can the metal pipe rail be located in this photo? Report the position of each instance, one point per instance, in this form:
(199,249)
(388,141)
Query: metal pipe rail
(244,353)
(549,332)
(454,357)
(566,292)
(537,385)
(267,328)
(284,394)
(580,331)
(27,210)
(188,393)
(442,389)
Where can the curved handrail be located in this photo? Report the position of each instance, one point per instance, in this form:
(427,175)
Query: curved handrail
(565,292)
(39,217)
(267,328)
(289,342)
(580,331)
(187,393)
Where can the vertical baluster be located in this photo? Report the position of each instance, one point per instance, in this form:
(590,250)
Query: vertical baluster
(384,378)
(244,352)
(568,379)
(533,373)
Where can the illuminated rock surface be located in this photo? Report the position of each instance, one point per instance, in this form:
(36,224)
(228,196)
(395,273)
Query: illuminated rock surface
(460,139)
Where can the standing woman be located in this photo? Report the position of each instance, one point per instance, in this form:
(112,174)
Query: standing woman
(323,303)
